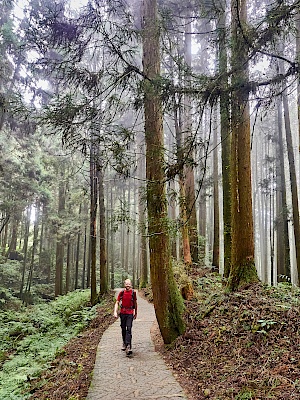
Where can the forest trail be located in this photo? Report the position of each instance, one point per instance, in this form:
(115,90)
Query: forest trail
(142,376)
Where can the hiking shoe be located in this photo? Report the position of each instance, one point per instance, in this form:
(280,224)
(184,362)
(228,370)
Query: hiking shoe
(128,350)
(123,347)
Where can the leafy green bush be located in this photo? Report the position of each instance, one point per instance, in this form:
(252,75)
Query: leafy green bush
(11,274)
(30,339)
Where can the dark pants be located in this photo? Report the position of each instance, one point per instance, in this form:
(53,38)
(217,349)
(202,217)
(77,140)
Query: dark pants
(126,326)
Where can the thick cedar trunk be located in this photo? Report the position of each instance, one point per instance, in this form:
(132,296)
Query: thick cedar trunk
(225,140)
(243,269)
(103,255)
(167,300)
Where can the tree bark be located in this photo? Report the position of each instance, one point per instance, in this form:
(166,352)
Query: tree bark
(60,239)
(189,170)
(68,266)
(34,246)
(167,300)
(283,244)
(112,246)
(102,223)
(143,265)
(216,240)
(77,252)
(25,249)
(93,219)
(293,178)
(225,140)
(243,269)
(182,191)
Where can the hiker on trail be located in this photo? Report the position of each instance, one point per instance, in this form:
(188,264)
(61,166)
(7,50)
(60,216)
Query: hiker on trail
(128,312)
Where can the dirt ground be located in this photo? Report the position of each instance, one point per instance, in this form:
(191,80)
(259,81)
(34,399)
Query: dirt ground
(237,346)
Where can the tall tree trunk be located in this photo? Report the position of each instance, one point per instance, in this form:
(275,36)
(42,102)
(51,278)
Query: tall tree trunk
(85,245)
(216,239)
(243,269)
(225,139)
(25,249)
(60,239)
(77,252)
(34,247)
(297,21)
(112,246)
(93,219)
(182,192)
(143,265)
(283,244)
(42,235)
(15,223)
(167,300)
(102,222)
(127,236)
(293,178)
(189,170)
(4,228)
(68,266)
(134,269)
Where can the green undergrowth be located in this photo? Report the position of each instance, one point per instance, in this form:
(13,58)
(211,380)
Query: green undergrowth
(31,338)
(240,345)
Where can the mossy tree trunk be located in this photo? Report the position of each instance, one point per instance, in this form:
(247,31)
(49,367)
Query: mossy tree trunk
(167,300)
(243,269)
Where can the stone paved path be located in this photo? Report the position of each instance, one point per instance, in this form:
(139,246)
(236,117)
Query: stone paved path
(142,376)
